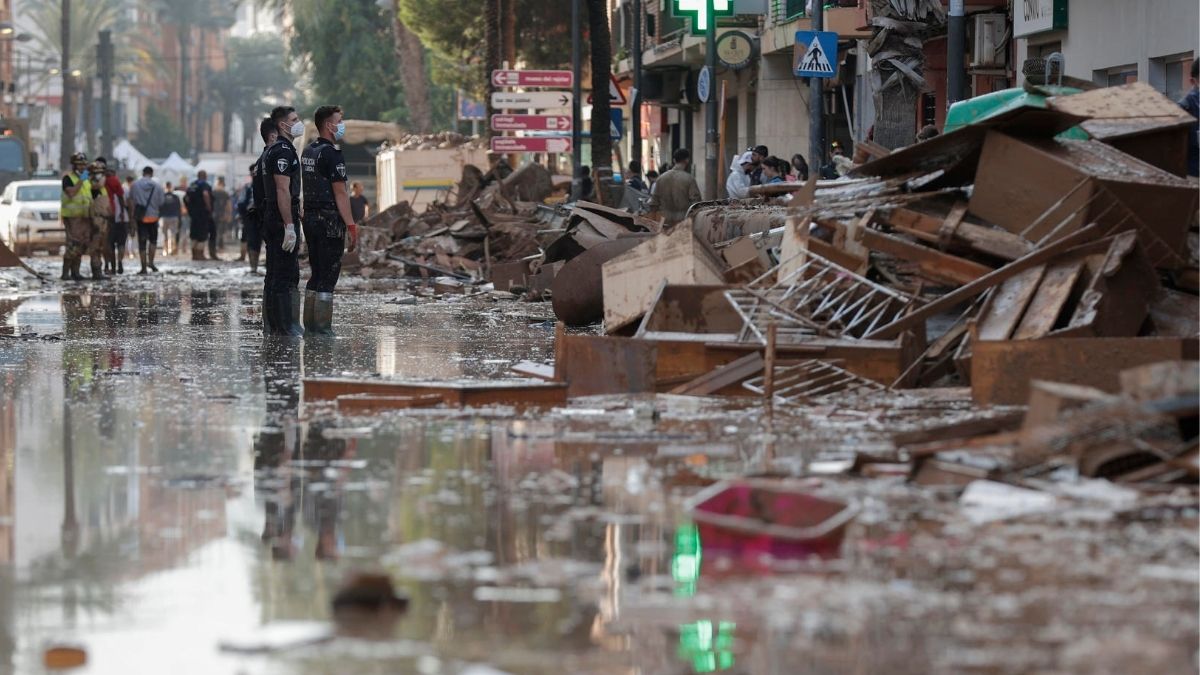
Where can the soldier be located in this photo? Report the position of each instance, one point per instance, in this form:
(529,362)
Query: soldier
(101,219)
(327,218)
(281,204)
(76,212)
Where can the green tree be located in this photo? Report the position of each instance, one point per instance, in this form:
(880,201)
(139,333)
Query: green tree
(159,134)
(254,74)
(348,50)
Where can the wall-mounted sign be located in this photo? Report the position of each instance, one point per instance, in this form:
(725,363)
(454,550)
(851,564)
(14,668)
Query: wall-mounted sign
(1038,16)
(698,11)
(735,49)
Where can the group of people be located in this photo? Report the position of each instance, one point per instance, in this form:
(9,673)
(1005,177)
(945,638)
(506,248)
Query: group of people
(757,166)
(97,211)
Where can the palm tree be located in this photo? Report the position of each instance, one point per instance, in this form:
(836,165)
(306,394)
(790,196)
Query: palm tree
(898,64)
(601,46)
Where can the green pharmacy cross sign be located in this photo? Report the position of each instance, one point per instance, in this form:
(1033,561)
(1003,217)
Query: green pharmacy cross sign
(698,10)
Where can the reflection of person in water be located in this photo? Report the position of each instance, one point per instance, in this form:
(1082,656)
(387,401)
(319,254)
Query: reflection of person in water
(291,474)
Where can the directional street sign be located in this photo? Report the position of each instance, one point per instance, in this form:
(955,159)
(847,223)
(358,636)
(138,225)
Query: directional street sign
(531,144)
(533,78)
(815,54)
(512,100)
(531,122)
(616,125)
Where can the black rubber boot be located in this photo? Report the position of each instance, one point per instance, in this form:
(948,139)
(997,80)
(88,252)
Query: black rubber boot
(75,265)
(323,314)
(142,257)
(97,275)
(270,313)
(310,325)
(150,259)
(293,302)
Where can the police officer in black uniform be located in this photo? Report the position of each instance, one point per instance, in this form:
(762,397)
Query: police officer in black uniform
(280,212)
(251,208)
(327,218)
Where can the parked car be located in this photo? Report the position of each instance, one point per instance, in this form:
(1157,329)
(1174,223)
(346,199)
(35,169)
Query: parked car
(29,216)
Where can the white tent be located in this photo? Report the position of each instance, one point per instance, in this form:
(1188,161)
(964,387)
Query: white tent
(132,159)
(176,169)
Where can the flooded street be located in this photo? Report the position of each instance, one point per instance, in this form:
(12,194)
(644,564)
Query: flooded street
(171,503)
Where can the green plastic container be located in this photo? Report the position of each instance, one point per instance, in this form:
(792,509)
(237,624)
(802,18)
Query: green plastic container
(980,108)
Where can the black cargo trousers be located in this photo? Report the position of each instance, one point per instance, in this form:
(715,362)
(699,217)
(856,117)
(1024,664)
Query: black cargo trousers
(326,236)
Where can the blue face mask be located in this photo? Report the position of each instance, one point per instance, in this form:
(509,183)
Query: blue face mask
(84,174)
(340,131)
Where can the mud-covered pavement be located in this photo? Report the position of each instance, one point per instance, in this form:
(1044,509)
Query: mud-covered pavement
(170,503)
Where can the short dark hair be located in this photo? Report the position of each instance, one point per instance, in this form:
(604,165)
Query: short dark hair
(324,113)
(585,170)
(681,155)
(266,127)
(761,150)
(148,171)
(651,174)
(280,113)
(635,167)
(101,160)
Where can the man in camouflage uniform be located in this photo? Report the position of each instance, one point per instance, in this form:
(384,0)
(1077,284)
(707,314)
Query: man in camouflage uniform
(101,219)
(76,212)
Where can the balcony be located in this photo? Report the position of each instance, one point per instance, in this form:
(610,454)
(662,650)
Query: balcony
(788,16)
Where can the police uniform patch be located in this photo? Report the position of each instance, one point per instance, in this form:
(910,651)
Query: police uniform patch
(282,165)
(341,169)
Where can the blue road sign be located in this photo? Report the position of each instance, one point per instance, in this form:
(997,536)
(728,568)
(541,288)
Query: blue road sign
(617,128)
(816,54)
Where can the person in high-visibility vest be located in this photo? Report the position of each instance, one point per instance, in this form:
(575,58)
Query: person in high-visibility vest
(76,213)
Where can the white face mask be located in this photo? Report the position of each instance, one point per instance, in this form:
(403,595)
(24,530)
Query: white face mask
(297,129)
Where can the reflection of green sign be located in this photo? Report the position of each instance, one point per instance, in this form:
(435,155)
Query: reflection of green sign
(697,10)
(685,564)
(707,649)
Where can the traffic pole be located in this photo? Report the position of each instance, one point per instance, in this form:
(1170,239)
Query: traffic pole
(816,103)
(577,90)
(710,107)
(956,46)
(104,53)
(635,106)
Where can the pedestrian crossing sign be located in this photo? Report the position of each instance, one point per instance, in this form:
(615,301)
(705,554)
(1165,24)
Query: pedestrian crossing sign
(815,54)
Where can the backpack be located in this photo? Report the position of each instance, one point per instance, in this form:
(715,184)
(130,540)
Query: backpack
(193,199)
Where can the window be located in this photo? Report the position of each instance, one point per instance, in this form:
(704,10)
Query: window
(786,10)
(1111,77)
(668,23)
(1169,74)
(39,193)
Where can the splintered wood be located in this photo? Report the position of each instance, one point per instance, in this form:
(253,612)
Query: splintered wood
(818,297)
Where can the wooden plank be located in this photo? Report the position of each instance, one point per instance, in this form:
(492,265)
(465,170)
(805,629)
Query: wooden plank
(728,375)
(980,238)
(959,430)
(541,371)
(1001,371)
(1003,311)
(1035,258)
(350,404)
(461,393)
(932,264)
(1051,298)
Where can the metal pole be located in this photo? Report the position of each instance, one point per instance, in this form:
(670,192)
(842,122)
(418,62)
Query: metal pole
(105,54)
(816,102)
(956,46)
(577,90)
(710,107)
(635,104)
(68,111)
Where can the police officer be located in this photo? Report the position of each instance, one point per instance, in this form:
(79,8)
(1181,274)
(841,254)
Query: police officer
(250,207)
(281,205)
(327,218)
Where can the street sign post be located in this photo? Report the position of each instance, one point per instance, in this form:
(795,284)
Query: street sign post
(533,78)
(531,122)
(505,144)
(815,54)
(516,100)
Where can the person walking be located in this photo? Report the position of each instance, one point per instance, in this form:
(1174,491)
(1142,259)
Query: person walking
(169,213)
(222,217)
(101,212)
(76,213)
(146,197)
(635,177)
(676,190)
(281,204)
(329,225)
(199,204)
(359,208)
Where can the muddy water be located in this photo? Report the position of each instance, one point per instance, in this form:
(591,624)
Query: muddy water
(166,494)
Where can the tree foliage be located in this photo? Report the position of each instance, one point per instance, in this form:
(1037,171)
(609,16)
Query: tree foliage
(255,74)
(159,135)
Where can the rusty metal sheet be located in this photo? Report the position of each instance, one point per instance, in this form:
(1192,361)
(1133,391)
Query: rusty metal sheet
(577,293)
(1001,371)
(1116,301)
(592,365)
